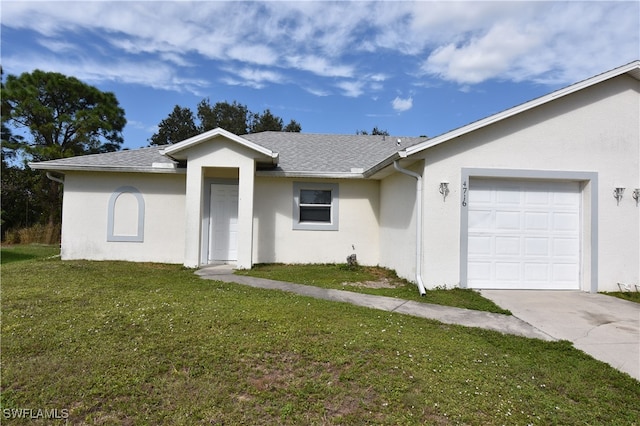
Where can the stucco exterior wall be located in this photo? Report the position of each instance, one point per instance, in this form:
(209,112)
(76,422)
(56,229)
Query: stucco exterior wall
(85,215)
(593,130)
(275,240)
(398,224)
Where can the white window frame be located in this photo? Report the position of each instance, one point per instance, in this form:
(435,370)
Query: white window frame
(332,225)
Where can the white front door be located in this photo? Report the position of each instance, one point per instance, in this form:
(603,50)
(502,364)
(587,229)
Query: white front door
(523,234)
(223,223)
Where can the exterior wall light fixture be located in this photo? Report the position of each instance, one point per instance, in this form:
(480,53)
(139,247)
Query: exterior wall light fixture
(444,190)
(617,194)
(636,195)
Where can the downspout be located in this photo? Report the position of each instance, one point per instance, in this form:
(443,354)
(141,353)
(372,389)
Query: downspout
(418,178)
(54,178)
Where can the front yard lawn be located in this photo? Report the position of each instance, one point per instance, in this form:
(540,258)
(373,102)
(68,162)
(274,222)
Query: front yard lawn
(128,343)
(371,280)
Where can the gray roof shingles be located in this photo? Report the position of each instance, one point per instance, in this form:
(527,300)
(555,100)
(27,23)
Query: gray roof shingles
(298,152)
(302,152)
(141,158)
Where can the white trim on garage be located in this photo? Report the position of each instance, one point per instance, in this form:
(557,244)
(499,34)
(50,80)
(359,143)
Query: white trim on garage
(589,229)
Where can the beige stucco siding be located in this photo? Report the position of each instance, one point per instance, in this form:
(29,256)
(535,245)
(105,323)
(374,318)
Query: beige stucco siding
(593,130)
(275,240)
(86,212)
(398,224)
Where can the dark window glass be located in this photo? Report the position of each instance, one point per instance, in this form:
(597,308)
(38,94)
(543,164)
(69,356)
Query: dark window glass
(315,196)
(315,214)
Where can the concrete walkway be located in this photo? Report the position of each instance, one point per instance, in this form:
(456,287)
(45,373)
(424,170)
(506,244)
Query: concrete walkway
(605,327)
(449,315)
(596,324)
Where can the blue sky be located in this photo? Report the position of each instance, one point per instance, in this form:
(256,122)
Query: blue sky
(411,68)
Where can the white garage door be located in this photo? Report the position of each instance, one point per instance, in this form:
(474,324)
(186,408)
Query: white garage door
(523,234)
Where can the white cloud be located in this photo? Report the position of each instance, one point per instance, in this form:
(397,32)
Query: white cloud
(319,66)
(251,77)
(58,46)
(547,42)
(464,42)
(258,54)
(155,74)
(483,57)
(351,89)
(317,92)
(399,104)
(378,77)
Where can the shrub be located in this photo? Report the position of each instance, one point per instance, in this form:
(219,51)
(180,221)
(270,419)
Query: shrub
(36,234)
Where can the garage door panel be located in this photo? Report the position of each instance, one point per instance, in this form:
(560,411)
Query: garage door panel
(481,219)
(480,198)
(564,273)
(565,221)
(537,272)
(536,246)
(481,271)
(508,196)
(537,199)
(480,245)
(536,221)
(523,234)
(566,197)
(565,247)
(507,220)
(509,246)
(507,271)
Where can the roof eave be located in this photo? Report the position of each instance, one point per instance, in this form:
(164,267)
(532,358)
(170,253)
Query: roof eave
(384,163)
(307,174)
(77,168)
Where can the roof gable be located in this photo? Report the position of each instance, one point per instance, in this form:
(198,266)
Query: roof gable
(632,69)
(178,151)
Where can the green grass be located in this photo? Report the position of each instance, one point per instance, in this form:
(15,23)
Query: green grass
(342,277)
(124,343)
(17,253)
(632,296)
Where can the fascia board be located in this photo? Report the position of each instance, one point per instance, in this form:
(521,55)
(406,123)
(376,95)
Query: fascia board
(383,164)
(37,166)
(320,175)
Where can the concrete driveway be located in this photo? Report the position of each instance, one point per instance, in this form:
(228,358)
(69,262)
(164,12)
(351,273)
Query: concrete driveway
(605,327)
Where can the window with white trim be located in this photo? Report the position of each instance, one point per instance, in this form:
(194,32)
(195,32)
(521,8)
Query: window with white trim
(315,206)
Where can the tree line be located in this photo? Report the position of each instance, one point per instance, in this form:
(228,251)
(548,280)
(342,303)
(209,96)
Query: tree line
(234,117)
(48,116)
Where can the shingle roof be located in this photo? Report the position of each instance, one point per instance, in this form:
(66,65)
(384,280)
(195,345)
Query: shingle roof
(300,153)
(321,153)
(143,159)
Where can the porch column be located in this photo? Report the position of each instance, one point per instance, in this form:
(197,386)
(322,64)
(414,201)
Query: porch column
(193,214)
(245,214)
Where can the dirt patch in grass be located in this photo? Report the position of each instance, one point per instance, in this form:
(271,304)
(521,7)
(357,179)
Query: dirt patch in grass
(379,283)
